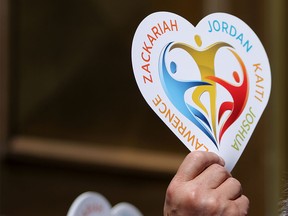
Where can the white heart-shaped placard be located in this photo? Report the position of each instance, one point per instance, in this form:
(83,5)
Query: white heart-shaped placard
(90,204)
(125,209)
(209,84)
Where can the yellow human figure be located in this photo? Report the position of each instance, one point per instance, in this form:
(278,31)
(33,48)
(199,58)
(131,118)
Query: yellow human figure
(205,59)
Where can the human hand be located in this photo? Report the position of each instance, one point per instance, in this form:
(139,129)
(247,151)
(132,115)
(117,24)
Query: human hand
(202,186)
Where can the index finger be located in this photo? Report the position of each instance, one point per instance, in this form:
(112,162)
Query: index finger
(195,163)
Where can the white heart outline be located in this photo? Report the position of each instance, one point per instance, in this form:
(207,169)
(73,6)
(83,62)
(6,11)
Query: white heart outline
(184,33)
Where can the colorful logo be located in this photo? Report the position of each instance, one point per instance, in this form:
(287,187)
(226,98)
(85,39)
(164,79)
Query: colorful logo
(206,118)
(209,83)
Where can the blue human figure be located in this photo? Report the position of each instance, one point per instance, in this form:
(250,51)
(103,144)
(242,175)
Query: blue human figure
(175,90)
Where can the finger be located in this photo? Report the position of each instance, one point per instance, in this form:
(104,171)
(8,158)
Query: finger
(230,188)
(195,163)
(213,176)
(239,206)
(242,203)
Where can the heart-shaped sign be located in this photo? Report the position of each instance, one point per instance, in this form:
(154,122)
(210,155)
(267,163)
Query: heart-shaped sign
(95,204)
(209,84)
(125,209)
(90,204)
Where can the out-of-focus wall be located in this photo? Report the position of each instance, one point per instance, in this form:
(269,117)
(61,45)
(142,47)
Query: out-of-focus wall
(65,129)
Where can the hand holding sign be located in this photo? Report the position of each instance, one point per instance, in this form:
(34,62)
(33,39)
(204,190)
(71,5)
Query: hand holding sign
(202,186)
(209,84)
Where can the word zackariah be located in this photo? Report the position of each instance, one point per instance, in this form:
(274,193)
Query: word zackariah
(155,32)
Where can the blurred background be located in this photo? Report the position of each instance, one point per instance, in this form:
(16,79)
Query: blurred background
(73,120)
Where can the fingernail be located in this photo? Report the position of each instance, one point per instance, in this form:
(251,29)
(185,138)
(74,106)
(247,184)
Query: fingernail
(222,161)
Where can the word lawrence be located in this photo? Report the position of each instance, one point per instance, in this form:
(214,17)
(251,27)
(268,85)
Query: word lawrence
(176,123)
(151,37)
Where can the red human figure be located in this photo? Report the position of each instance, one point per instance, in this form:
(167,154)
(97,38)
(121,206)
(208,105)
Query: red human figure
(239,93)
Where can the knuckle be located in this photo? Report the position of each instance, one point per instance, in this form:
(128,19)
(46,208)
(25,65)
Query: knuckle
(200,156)
(213,205)
(220,169)
(171,191)
(240,208)
(200,199)
(194,196)
(197,197)
(196,155)
(235,182)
